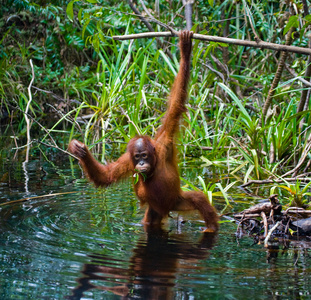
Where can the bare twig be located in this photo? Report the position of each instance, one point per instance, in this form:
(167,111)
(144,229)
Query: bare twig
(270,233)
(66,117)
(137,12)
(129,119)
(48,133)
(27,109)
(36,197)
(153,19)
(247,215)
(256,37)
(267,181)
(217,39)
(301,160)
(297,210)
(29,101)
(301,79)
(265,222)
(276,78)
(58,148)
(305,94)
(148,25)
(56,96)
(28,129)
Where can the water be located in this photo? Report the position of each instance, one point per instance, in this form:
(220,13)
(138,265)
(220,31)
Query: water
(83,243)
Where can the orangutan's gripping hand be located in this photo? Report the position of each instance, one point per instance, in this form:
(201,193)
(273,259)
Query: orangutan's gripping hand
(78,149)
(185,44)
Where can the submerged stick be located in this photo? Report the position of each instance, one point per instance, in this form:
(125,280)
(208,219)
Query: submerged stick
(270,233)
(26,112)
(265,222)
(35,197)
(217,39)
(28,103)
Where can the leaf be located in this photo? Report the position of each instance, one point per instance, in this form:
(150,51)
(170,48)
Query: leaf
(92,1)
(304,190)
(239,167)
(84,27)
(189,184)
(223,193)
(249,171)
(69,10)
(236,100)
(256,164)
(80,15)
(292,22)
(136,178)
(291,231)
(207,161)
(229,186)
(287,188)
(210,196)
(202,183)
(168,62)
(211,3)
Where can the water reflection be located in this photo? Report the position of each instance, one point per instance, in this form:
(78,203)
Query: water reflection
(156,259)
(45,247)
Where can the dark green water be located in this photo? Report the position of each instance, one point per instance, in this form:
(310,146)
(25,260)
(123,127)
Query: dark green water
(90,245)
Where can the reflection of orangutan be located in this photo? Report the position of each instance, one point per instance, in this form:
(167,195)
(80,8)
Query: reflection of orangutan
(154,266)
(155,160)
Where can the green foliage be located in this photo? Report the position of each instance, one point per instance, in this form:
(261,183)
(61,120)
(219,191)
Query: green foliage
(296,194)
(293,21)
(45,35)
(119,89)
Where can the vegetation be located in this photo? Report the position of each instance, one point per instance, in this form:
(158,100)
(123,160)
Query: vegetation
(249,109)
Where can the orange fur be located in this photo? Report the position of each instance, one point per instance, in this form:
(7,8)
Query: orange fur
(160,189)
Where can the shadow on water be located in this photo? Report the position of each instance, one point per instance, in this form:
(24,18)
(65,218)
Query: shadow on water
(156,259)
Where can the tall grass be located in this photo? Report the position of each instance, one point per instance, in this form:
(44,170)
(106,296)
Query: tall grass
(123,90)
(133,85)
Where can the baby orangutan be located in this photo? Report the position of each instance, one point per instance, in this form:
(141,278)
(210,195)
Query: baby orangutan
(155,160)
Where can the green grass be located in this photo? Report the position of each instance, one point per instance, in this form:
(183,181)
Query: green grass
(114,90)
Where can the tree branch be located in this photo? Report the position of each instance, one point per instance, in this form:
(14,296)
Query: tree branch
(267,181)
(27,109)
(217,39)
(188,12)
(148,25)
(305,94)
(137,12)
(276,79)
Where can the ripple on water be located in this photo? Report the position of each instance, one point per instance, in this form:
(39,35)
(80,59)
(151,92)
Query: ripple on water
(92,244)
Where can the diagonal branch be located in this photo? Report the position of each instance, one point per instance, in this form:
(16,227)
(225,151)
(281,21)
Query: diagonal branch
(305,94)
(153,19)
(148,25)
(256,37)
(137,12)
(276,78)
